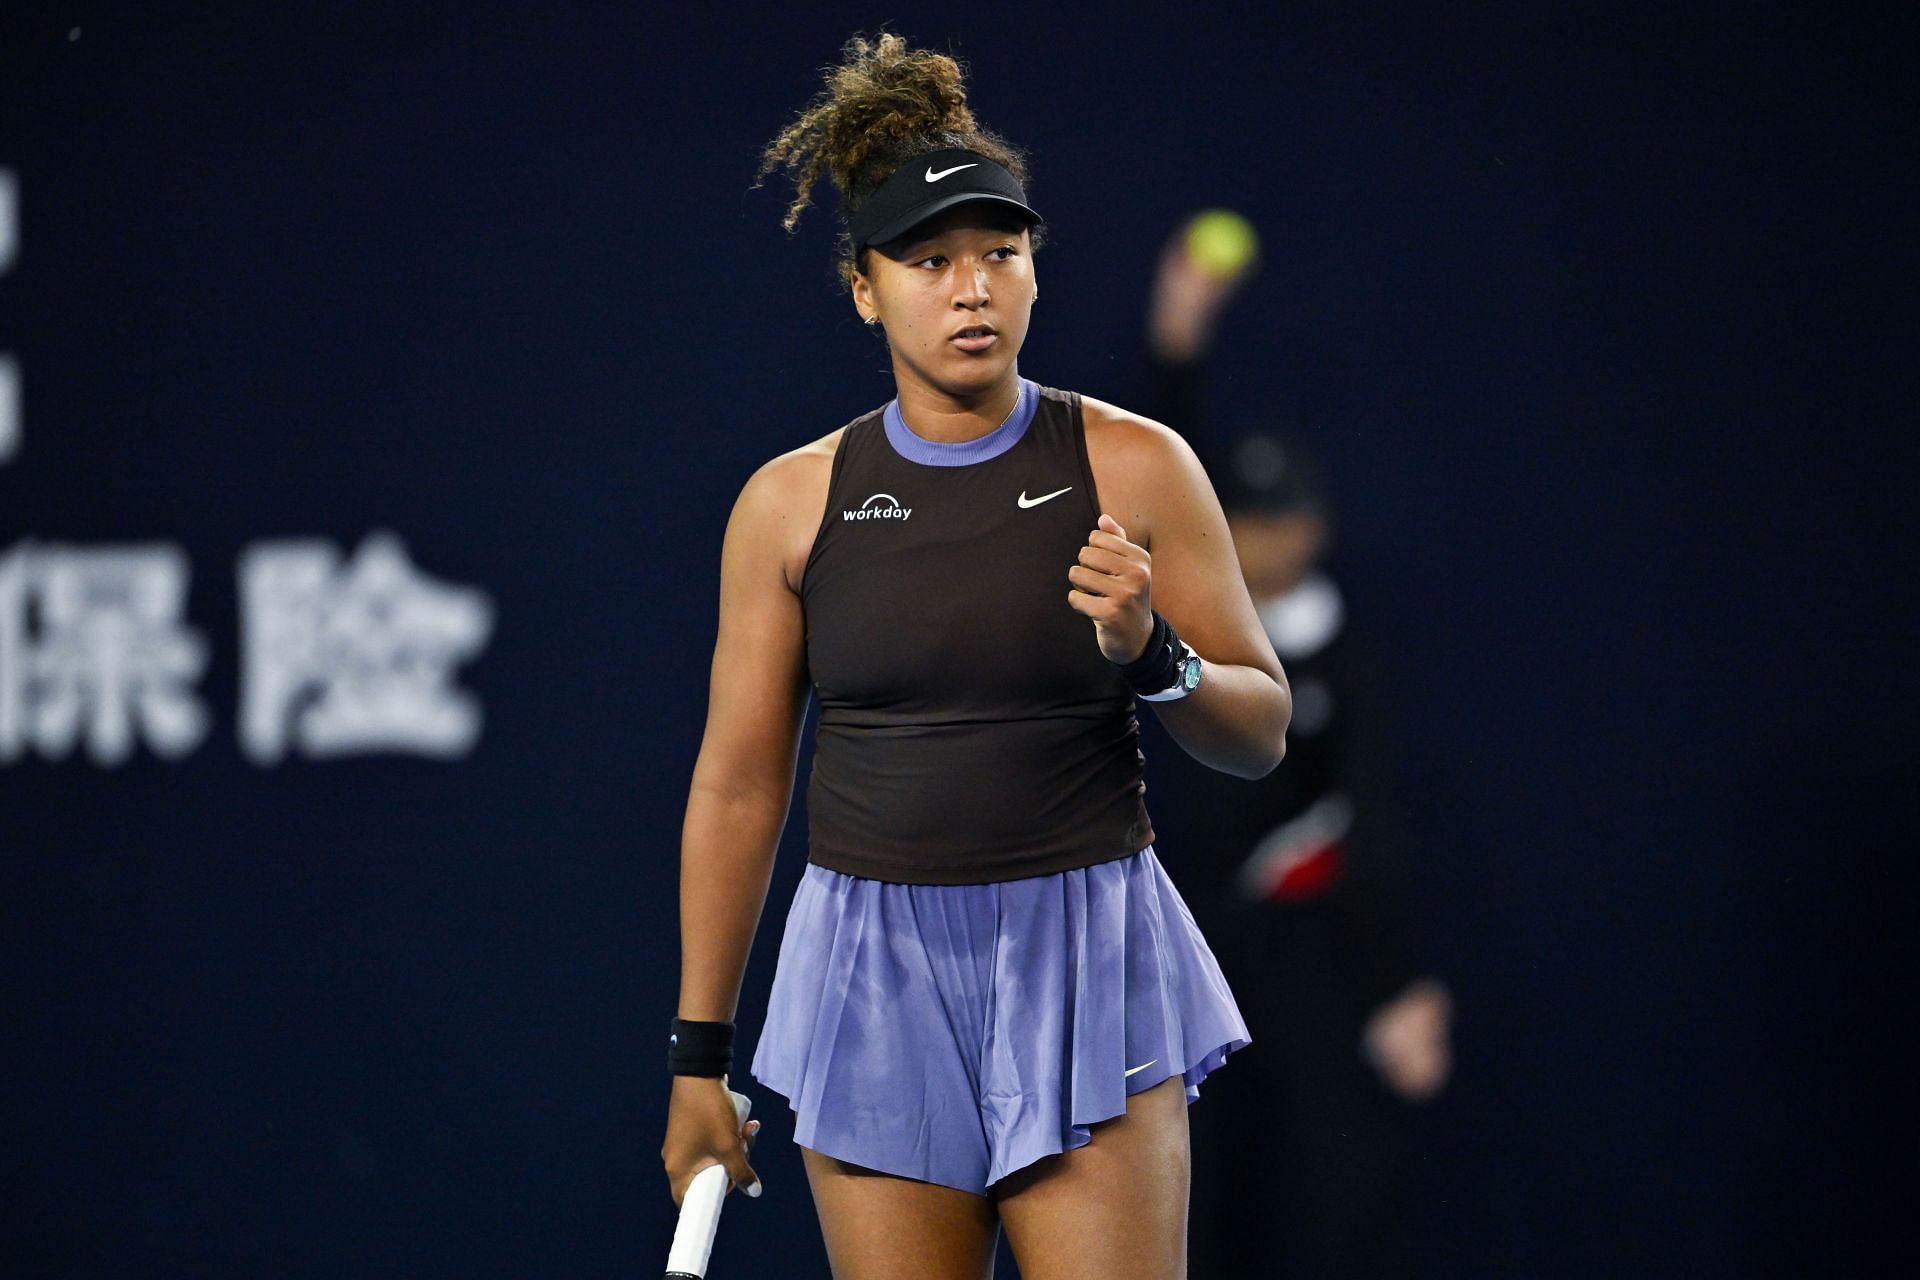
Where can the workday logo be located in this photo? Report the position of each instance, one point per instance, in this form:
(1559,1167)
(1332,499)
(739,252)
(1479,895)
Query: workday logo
(890,509)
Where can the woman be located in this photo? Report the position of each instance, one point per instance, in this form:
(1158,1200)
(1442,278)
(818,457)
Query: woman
(991,1006)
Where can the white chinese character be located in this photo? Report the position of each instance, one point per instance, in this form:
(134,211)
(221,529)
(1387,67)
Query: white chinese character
(9,407)
(9,221)
(355,658)
(92,645)
(9,367)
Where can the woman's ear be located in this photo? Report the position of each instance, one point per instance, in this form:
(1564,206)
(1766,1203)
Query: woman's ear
(863,299)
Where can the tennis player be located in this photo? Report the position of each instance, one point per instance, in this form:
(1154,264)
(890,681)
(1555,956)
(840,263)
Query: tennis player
(991,1006)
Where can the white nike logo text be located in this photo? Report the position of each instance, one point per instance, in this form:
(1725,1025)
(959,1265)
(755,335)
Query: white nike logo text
(935,177)
(1025,501)
(1142,1067)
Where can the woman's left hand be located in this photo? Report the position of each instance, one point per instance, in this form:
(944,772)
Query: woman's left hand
(1113,585)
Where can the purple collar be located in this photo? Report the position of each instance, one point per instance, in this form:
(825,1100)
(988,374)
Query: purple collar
(933,453)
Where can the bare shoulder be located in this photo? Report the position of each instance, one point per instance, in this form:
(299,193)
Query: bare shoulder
(795,472)
(1138,464)
(784,501)
(1123,433)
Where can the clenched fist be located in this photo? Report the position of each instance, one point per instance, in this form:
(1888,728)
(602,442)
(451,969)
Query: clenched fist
(1113,585)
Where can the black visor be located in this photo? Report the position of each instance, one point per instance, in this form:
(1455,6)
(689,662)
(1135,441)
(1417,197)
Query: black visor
(928,184)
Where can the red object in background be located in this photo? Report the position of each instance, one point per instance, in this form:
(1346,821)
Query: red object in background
(1300,859)
(1309,876)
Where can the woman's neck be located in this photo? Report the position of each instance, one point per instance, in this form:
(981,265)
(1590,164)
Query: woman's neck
(948,419)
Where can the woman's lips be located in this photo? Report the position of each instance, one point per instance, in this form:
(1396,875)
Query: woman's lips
(979,343)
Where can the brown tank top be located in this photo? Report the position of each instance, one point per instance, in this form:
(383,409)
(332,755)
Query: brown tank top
(970,728)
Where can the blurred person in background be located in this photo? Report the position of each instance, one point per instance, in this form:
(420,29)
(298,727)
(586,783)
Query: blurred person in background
(1300,878)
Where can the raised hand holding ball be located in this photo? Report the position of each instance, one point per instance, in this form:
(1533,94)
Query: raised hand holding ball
(1222,243)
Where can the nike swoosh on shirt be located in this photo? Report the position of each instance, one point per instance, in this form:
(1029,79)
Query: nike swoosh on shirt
(1142,1067)
(935,177)
(1025,501)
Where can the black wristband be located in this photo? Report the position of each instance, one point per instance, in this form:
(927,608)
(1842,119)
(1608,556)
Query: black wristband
(1155,670)
(699,1048)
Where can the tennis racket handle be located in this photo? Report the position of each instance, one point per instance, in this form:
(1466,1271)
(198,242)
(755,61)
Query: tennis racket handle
(700,1211)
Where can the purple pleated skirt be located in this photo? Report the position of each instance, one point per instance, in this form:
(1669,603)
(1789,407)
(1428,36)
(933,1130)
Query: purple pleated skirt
(956,1033)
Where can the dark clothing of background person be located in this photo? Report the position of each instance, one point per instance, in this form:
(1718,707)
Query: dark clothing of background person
(1299,1167)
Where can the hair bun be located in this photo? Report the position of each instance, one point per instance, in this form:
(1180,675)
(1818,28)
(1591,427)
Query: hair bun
(884,103)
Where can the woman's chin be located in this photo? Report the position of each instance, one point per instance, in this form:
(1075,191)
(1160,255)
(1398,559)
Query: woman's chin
(975,372)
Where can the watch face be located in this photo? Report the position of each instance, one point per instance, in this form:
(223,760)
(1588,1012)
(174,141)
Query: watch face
(1190,674)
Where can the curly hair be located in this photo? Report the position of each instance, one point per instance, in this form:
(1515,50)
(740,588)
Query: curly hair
(883,105)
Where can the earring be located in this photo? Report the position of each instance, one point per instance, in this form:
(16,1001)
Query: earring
(873,319)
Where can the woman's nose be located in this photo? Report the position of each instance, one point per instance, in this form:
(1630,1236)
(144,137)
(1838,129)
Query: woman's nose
(971,290)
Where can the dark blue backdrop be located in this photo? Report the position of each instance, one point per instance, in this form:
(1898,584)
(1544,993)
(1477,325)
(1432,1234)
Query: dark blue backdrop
(1598,319)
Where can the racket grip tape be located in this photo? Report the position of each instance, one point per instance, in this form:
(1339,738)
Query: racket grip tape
(700,1211)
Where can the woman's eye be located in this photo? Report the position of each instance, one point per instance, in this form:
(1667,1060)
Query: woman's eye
(1006,249)
(936,258)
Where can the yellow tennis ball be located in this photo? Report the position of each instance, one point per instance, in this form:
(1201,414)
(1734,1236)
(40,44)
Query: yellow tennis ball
(1222,243)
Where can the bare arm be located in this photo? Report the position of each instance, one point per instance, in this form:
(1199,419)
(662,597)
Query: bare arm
(743,779)
(1236,721)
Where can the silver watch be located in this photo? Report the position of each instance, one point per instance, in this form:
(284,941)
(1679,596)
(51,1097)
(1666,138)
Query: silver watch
(1186,678)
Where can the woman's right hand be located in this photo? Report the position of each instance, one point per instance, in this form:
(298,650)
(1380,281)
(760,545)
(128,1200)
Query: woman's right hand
(702,1131)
